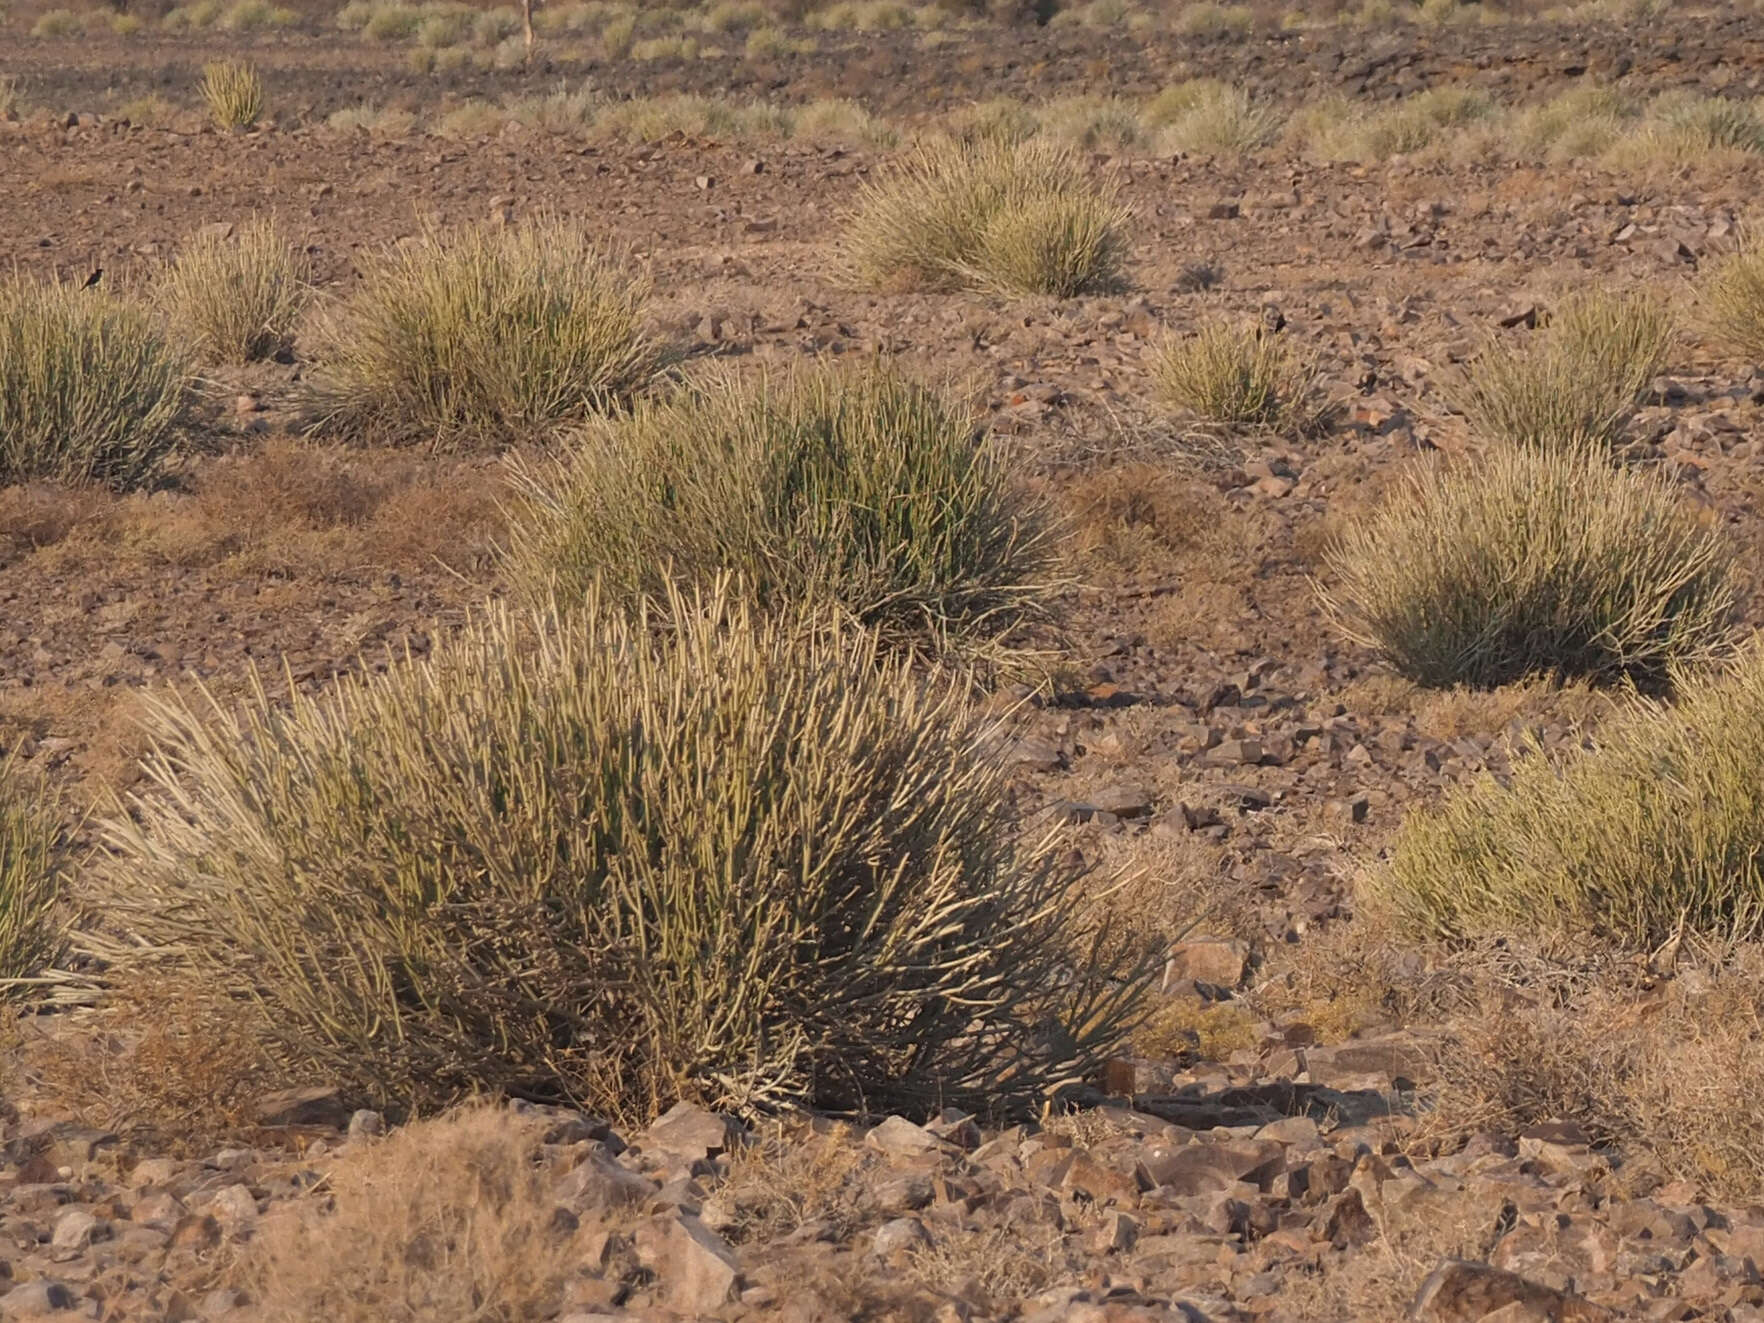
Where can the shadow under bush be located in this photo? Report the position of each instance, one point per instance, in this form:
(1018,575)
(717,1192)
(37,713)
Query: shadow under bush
(737,859)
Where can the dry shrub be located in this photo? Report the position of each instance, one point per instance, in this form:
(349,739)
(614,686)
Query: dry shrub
(1204,115)
(166,1060)
(1189,1028)
(740,859)
(33,872)
(1548,563)
(233,93)
(1659,826)
(236,298)
(1015,217)
(1734,291)
(444,1220)
(89,388)
(482,338)
(1239,375)
(1582,384)
(856,488)
(791,1179)
(1343,130)
(1673,1073)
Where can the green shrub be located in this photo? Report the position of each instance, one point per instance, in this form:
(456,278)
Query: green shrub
(58,23)
(233,93)
(1734,292)
(1239,375)
(1661,824)
(482,338)
(89,388)
(855,488)
(236,298)
(32,875)
(741,859)
(1535,563)
(1581,384)
(1019,218)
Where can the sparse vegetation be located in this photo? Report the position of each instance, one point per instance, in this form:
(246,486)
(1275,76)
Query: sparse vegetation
(1535,563)
(1021,218)
(1242,375)
(743,860)
(855,488)
(1734,291)
(233,93)
(1581,385)
(90,390)
(1656,829)
(482,337)
(235,298)
(58,23)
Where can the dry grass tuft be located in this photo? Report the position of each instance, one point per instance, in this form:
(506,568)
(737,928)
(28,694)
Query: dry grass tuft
(233,93)
(742,860)
(237,298)
(1015,217)
(453,1218)
(857,489)
(1734,291)
(33,871)
(1582,384)
(1658,827)
(483,338)
(1546,563)
(90,390)
(1238,375)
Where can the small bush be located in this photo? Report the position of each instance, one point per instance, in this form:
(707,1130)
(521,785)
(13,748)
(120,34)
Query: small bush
(841,121)
(438,31)
(482,338)
(1094,123)
(856,488)
(393,23)
(1582,384)
(1205,19)
(492,27)
(452,1218)
(1734,291)
(743,860)
(1660,825)
(1239,375)
(11,96)
(235,299)
(233,93)
(256,16)
(89,388)
(199,14)
(1205,116)
(32,873)
(58,23)
(1020,218)
(1535,563)
(1342,130)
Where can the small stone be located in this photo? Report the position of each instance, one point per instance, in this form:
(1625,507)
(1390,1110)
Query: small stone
(235,1208)
(901,1138)
(1224,211)
(1124,802)
(690,1132)
(153,1171)
(365,1124)
(696,1265)
(1237,753)
(74,1230)
(1118,1234)
(901,1233)
(316,1105)
(1459,1291)
(1216,960)
(43,1296)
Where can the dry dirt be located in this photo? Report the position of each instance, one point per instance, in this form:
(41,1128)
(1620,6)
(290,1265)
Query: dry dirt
(1210,739)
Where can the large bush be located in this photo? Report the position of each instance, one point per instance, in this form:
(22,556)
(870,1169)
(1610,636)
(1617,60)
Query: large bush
(738,859)
(1661,824)
(1016,217)
(1534,562)
(481,338)
(89,387)
(856,487)
(1579,381)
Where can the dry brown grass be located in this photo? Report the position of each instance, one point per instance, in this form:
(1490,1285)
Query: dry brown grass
(445,1220)
(1189,1028)
(795,1178)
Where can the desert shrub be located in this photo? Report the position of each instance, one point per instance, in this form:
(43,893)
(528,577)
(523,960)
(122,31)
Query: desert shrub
(256,16)
(32,873)
(11,96)
(236,298)
(998,120)
(1237,374)
(858,488)
(1535,562)
(451,1218)
(840,120)
(1094,123)
(1021,218)
(1683,123)
(495,26)
(744,859)
(1205,19)
(731,15)
(1344,131)
(233,93)
(393,23)
(440,29)
(1734,293)
(1579,123)
(1582,384)
(647,119)
(198,14)
(58,23)
(90,390)
(1202,115)
(1660,825)
(481,338)
(618,36)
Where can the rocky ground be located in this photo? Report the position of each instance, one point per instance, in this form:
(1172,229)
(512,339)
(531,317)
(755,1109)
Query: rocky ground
(1208,744)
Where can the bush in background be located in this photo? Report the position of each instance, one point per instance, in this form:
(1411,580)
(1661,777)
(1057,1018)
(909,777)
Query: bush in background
(1535,563)
(233,93)
(858,489)
(235,298)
